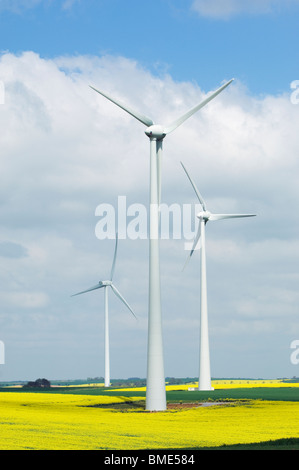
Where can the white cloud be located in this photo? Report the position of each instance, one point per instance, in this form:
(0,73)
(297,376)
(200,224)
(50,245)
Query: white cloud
(27,300)
(67,4)
(18,5)
(65,149)
(230,8)
(12,250)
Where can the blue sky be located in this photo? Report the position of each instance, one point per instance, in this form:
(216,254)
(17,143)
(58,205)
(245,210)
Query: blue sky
(164,36)
(65,150)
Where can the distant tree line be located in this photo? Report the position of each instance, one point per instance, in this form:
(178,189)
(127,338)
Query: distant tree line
(39,383)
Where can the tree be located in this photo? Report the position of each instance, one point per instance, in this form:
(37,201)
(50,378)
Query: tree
(39,383)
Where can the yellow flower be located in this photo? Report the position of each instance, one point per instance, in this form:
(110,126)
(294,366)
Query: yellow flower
(65,421)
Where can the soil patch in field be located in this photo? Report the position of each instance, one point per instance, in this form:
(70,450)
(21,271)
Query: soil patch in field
(178,406)
(139,406)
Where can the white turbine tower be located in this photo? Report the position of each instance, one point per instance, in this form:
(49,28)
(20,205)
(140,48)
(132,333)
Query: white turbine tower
(155,383)
(106,285)
(204,382)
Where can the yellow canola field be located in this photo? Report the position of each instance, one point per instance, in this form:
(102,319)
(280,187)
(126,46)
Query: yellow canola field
(67,422)
(243,383)
(225,384)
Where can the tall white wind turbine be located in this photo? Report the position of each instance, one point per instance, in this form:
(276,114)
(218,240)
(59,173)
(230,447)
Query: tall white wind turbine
(155,383)
(204,382)
(106,285)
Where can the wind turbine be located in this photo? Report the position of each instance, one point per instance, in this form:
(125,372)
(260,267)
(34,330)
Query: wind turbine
(106,285)
(155,383)
(204,382)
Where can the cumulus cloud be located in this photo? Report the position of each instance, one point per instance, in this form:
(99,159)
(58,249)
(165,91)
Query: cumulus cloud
(18,5)
(66,149)
(230,8)
(67,4)
(27,300)
(12,250)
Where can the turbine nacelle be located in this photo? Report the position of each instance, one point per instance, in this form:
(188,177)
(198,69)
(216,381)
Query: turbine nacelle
(105,283)
(155,131)
(205,215)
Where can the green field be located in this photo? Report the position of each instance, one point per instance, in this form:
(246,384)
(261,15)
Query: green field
(176,396)
(280,444)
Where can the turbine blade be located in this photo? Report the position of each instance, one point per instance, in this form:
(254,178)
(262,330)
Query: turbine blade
(229,216)
(196,240)
(200,198)
(159,180)
(114,257)
(159,169)
(118,294)
(140,117)
(98,286)
(195,243)
(183,118)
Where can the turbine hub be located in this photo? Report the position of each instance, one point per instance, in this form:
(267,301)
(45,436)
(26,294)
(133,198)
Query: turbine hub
(205,215)
(155,131)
